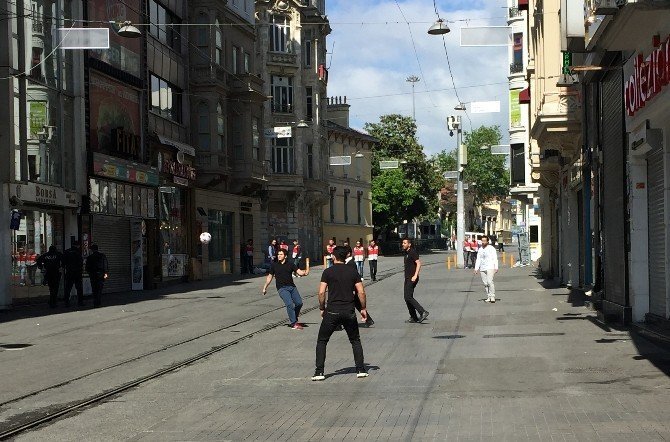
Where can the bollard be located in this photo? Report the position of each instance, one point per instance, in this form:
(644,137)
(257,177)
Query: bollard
(307,264)
(504,257)
(448,262)
(511,261)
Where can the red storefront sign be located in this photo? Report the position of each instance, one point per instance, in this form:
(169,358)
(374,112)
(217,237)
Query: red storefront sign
(177,169)
(649,76)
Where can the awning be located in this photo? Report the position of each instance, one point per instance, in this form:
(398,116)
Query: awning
(522,5)
(181,147)
(524,96)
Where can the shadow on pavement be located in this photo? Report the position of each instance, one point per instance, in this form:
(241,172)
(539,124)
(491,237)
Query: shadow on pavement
(351,370)
(40,308)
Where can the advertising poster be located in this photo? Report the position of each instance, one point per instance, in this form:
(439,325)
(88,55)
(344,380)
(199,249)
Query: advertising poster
(113,106)
(514,109)
(136,255)
(123,53)
(174,265)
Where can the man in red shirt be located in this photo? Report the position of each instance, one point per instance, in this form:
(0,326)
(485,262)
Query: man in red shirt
(329,252)
(373,254)
(359,258)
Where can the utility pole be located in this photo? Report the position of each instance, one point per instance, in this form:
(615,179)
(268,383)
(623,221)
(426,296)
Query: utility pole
(454,125)
(413,79)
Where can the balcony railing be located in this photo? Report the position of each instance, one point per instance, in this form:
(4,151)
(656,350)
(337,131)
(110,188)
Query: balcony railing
(515,68)
(513,12)
(282,108)
(208,74)
(283,58)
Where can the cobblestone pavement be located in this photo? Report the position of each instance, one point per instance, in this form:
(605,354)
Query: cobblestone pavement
(534,366)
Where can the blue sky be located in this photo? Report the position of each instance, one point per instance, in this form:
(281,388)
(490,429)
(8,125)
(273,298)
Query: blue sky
(373,57)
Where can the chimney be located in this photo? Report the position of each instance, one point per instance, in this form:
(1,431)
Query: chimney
(338,110)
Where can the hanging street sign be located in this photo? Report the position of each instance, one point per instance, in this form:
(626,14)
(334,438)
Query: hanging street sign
(451,175)
(344,160)
(389,164)
(485,107)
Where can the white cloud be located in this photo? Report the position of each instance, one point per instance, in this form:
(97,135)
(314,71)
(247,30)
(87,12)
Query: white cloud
(375,59)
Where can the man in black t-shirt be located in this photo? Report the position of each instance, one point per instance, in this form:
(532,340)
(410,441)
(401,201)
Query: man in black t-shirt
(341,281)
(282,271)
(412,269)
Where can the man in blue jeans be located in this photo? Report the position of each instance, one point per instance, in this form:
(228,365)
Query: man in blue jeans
(343,284)
(282,271)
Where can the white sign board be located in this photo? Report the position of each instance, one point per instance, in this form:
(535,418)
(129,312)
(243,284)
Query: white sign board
(451,175)
(500,149)
(486,36)
(279,132)
(485,107)
(44,194)
(82,38)
(391,164)
(344,160)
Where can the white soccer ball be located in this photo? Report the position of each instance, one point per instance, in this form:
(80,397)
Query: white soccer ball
(205,237)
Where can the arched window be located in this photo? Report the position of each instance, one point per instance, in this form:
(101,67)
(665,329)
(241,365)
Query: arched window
(204,138)
(220,128)
(218,39)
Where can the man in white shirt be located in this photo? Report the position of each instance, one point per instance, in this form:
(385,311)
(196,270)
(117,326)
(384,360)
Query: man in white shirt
(487,265)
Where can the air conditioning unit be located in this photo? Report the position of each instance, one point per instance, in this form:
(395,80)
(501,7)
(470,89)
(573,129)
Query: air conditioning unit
(643,139)
(605,7)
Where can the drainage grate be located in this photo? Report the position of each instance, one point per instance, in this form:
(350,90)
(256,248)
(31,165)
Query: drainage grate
(522,335)
(15,346)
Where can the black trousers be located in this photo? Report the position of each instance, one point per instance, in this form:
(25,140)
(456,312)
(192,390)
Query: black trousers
(373,269)
(53,281)
(331,322)
(412,304)
(73,280)
(97,284)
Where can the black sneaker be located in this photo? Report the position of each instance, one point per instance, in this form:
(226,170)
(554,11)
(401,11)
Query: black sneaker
(411,321)
(423,316)
(318,376)
(361,373)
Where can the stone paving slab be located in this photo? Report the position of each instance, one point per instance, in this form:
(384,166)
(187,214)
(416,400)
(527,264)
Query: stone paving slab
(536,377)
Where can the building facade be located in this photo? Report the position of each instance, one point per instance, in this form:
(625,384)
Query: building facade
(43,179)
(292,48)
(348,214)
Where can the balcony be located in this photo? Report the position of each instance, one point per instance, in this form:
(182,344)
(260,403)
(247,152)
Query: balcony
(278,108)
(208,75)
(283,58)
(515,68)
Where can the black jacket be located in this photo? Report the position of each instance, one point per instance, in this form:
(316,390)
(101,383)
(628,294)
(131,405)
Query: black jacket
(51,262)
(73,261)
(96,265)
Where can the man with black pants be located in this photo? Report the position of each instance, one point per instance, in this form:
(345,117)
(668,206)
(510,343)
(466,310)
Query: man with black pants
(343,284)
(412,269)
(357,302)
(74,265)
(51,263)
(97,268)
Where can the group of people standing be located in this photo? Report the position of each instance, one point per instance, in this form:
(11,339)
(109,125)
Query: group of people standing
(359,255)
(341,294)
(295,252)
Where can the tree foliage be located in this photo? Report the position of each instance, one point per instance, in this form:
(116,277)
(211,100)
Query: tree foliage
(488,172)
(417,177)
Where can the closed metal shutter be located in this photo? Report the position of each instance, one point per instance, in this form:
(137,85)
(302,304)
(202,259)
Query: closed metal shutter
(656,215)
(613,195)
(112,234)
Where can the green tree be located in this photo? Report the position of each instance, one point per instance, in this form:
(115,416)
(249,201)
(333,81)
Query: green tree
(418,176)
(488,172)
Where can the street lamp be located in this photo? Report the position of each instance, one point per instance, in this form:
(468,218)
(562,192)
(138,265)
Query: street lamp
(413,79)
(125,29)
(439,28)
(454,125)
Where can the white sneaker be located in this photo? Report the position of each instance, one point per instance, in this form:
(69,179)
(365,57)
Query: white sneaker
(318,376)
(493,300)
(362,374)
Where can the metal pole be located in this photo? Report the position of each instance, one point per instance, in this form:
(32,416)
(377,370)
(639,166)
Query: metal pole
(413,79)
(460,201)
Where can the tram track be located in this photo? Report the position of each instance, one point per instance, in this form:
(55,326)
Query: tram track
(56,411)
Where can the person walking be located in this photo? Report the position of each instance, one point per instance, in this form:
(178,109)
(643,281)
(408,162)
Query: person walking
(344,285)
(329,252)
(272,251)
(249,257)
(31,264)
(51,263)
(282,271)
(357,302)
(373,256)
(487,266)
(359,257)
(412,269)
(73,263)
(97,268)
(466,252)
(474,248)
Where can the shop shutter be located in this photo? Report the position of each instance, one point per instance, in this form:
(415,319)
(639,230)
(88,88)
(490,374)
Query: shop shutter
(613,195)
(656,215)
(112,234)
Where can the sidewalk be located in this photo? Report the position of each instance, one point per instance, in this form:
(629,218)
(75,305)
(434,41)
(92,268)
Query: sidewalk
(534,366)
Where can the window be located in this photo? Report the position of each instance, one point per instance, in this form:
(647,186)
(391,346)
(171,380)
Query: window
(309,104)
(161,27)
(220,128)
(310,161)
(218,40)
(221,228)
(204,139)
(518,164)
(234,60)
(255,138)
(282,155)
(202,35)
(238,147)
(307,48)
(517,50)
(359,200)
(247,63)
(280,34)
(534,234)
(282,94)
(346,205)
(165,100)
(332,204)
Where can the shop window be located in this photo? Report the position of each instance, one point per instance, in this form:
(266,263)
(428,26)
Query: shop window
(220,226)
(172,220)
